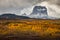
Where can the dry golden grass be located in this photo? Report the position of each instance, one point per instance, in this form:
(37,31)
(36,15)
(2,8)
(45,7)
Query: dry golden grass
(30,27)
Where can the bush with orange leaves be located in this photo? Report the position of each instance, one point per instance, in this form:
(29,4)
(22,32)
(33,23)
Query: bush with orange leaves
(30,27)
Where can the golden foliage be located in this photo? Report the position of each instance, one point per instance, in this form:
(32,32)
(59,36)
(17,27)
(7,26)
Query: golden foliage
(31,27)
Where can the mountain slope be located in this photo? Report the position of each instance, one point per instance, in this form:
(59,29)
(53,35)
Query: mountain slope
(12,16)
(40,12)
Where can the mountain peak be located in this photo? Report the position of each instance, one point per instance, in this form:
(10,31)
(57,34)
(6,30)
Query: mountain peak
(41,10)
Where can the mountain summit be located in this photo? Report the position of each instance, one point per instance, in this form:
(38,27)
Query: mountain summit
(39,12)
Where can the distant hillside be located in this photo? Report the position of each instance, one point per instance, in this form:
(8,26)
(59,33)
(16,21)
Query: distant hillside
(12,16)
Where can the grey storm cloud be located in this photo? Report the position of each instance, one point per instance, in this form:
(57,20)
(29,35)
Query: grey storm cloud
(17,5)
(23,3)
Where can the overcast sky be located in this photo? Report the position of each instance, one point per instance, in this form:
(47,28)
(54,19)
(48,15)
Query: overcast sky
(21,6)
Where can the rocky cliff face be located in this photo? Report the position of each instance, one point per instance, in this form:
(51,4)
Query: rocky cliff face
(41,11)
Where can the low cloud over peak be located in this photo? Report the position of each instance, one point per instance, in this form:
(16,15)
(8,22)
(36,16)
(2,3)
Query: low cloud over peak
(15,6)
